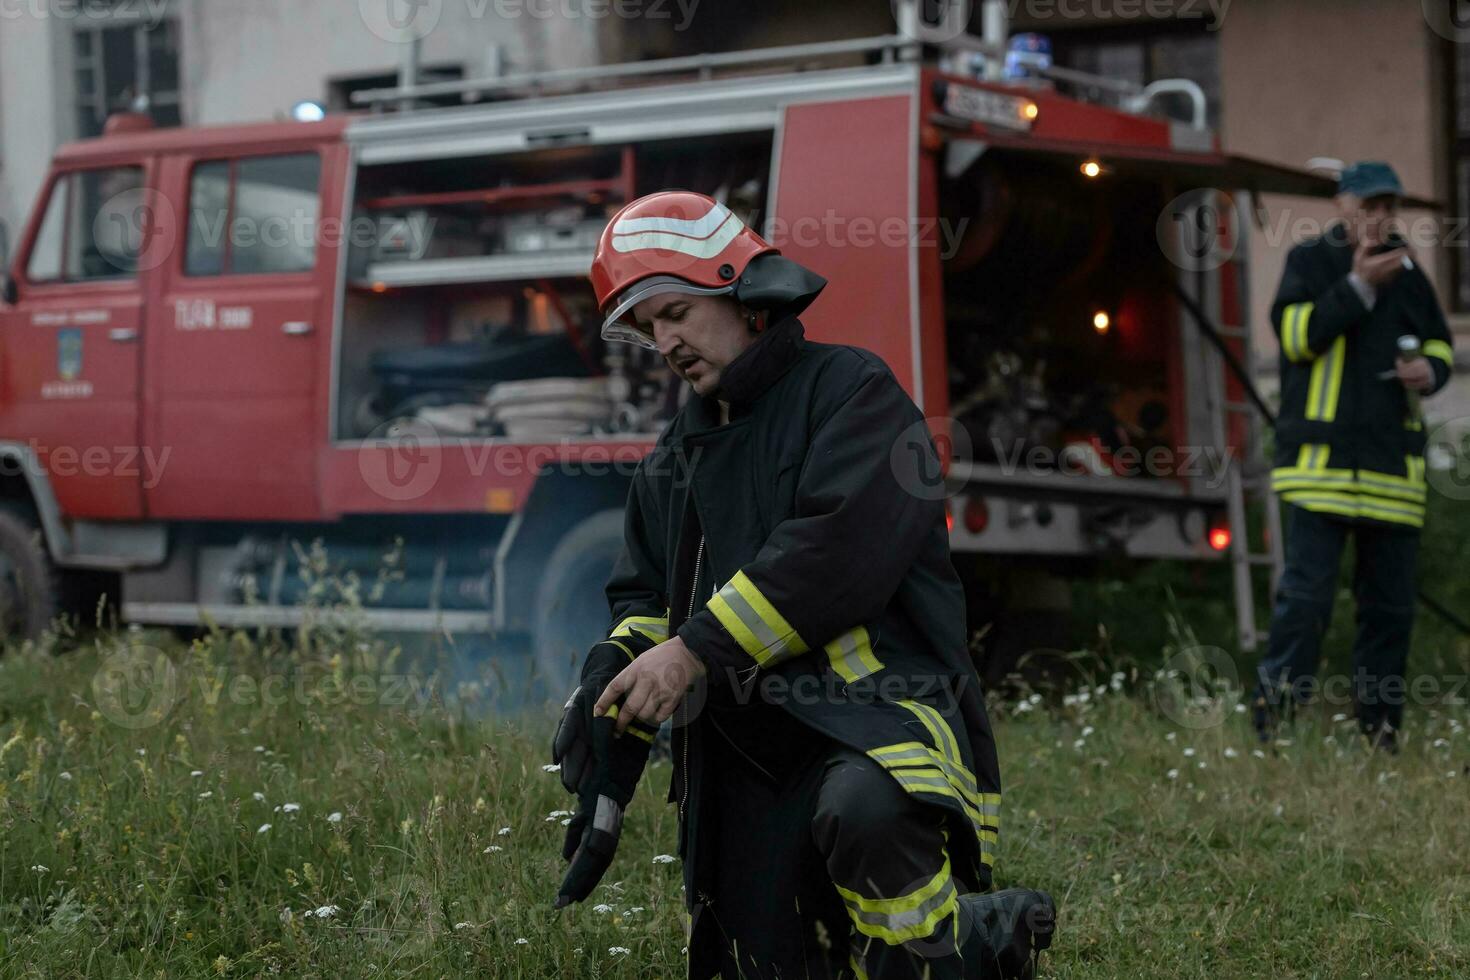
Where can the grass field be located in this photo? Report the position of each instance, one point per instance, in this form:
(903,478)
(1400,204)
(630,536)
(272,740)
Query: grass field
(239,807)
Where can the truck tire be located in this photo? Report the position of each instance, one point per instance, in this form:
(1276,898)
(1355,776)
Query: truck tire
(571,605)
(30,586)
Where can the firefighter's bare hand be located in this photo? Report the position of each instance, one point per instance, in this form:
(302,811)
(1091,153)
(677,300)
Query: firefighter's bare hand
(1381,269)
(652,686)
(1416,375)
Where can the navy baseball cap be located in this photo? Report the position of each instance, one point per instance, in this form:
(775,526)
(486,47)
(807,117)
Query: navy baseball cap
(1369,178)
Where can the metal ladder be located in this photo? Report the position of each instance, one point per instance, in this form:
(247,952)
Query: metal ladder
(1248,479)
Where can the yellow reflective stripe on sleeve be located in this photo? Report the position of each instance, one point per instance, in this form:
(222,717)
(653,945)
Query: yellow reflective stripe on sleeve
(621,646)
(851,655)
(1326,382)
(656,628)
(1441,350)
(905,917)
(640,732)
(1294,320)
(749,617)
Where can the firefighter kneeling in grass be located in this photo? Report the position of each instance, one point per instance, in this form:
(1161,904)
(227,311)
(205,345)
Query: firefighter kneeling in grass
(1362,339)
(792,606)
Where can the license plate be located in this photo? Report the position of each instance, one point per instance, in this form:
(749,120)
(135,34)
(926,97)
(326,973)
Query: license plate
(984,106)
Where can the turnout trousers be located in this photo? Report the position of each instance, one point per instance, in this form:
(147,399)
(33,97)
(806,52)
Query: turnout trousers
(1384,587)
(831,871)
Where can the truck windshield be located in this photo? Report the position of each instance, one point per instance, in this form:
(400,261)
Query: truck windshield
(93,228)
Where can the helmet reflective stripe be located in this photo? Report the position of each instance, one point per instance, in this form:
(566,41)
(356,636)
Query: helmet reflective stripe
(701,238)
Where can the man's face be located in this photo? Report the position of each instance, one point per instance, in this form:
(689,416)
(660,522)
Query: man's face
(1368,219)
(697,335)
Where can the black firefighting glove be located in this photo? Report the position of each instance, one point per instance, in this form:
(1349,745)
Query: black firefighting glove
(571,748)
(617,761)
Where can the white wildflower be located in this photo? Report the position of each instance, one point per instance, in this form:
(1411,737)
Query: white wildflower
(551,768)
(619,950)
(1172,774)
(1087,730)
(196,773)
(523,941)
(65,776)
(1240,707)
(324,911)
(142,751)
(39,869)
(1230,753)
(1258,753)
(206,794)
(461,925)
(290,807)
(334,817)
(1188,751)
(663,859)
(260,748)
(602,909)
(258,797)
(1339,717)
(492,849)
(1169,736)
(503,832)
(263,828)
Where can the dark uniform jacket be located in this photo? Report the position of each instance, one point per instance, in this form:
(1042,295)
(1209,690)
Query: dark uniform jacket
(1348,443)
(827,606)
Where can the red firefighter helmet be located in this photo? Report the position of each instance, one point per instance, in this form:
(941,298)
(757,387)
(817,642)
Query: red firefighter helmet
(683,242)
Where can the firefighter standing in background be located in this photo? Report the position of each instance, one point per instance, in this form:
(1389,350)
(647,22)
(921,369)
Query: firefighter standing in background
(791,604)
(1350,448)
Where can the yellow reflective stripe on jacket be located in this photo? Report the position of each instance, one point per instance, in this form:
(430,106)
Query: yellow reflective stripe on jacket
(1441,350)
(1294,320)
(917,755)
(851,655)
(1358,505)
(621,646)
(914,915)
(1326,382)
(1313,456)
(656,628)
(755,624)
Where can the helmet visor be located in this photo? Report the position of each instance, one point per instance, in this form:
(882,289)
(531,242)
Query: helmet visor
(619,323)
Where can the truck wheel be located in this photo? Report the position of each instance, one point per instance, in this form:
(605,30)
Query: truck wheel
(30,588)
(571,605)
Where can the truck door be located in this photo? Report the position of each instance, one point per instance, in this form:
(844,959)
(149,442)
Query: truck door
(242,339)
(70,345)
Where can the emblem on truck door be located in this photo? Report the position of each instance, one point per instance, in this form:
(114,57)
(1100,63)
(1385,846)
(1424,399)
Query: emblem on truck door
(68,353)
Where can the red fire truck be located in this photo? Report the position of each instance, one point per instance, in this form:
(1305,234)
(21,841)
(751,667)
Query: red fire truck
(235,358)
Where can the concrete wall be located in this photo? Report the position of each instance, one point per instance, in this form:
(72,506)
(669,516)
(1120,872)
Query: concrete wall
(35,110)
(254,60)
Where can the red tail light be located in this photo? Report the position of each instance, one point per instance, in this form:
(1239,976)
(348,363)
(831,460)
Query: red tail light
(977,515)
(1220,537)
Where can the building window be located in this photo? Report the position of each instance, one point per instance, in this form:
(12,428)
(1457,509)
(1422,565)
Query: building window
(93,227)
(125,65)
(269,207)
(1146,54)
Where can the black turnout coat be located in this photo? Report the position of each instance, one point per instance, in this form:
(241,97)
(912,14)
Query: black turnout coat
(801,551)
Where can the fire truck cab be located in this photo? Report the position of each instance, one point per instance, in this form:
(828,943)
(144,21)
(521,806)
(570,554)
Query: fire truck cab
(252,374)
